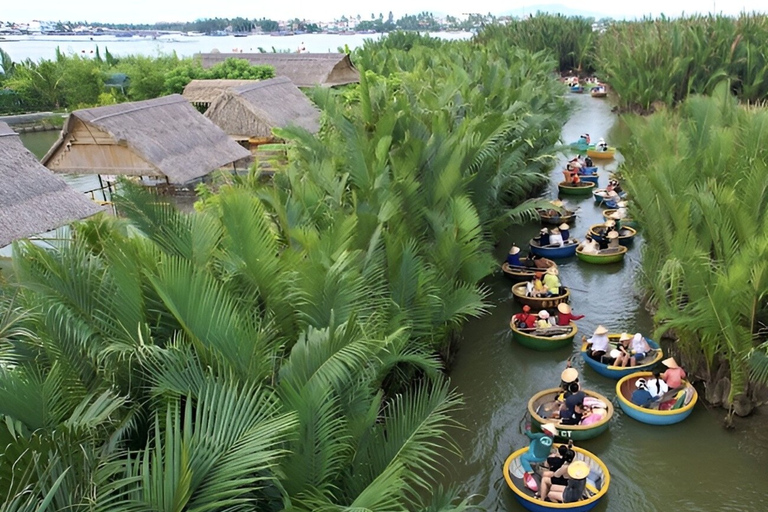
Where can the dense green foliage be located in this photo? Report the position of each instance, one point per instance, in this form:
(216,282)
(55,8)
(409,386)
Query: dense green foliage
(279,349)
(72,81)
(700,173)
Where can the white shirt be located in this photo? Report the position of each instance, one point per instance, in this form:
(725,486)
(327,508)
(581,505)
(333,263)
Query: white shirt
(663,388)
(600,342)
(556,239)
(591,247)
(638,345)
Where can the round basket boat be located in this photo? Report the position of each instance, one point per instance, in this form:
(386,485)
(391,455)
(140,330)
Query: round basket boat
(525,273)
(554,252)
(598,481)
(603,257)
(555,219)
(583,188)
(626,234)
(600,195)
(589,178)
(617,372)
(538,303)
(598,94)
(542,339)
(685,399)
(576,432)
(624,222)
(602,155)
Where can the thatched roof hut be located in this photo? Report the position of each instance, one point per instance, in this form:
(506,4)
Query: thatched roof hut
(304,69)
(32,199)
(161,137)
(253,110)
(202,92)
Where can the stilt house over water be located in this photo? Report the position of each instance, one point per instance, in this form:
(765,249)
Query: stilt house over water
(251,111)
(303,69)
(164,137)
(32,199)
(201,93)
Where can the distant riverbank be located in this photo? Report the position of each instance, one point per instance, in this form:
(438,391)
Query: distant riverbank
(44,47)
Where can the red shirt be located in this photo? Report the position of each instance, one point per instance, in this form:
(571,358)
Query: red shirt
(529,319)
(565,318)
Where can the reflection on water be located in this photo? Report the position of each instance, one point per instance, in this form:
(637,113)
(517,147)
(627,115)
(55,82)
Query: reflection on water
(693,466)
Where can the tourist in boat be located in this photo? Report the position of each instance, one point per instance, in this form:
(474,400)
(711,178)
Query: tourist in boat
(611,196)
(577,472)
(625,352)
(552,282)
(567,376)
(573,408)
(588,162)
(513,258)
(614,216)
(525,320)
(565,232)
(586,138)
(544,237)
(639,349)
(589,246)
(656,386)
(615,185)
(538,451)
(556,476)
(602,145)
(537,288)
(555,238)
(599,344)
(565,315)
(641,396)
(674,375)
(613,239)
(543,322)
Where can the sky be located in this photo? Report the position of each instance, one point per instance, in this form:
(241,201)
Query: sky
(149,11)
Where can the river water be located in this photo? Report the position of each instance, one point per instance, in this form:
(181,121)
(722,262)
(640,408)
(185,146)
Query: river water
(695,466)
(38,47)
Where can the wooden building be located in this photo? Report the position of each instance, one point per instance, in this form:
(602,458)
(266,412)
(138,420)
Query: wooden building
(164,137)
(201,93)
(32,199)
(253,110)
(303,69)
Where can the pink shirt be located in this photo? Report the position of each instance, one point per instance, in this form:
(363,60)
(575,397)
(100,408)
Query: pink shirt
(674,377)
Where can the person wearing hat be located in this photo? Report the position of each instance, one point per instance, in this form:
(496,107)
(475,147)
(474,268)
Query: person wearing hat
(525,320)
(602,145)
(565,232)
(573,491)
(674,375)
(613,239)
(543,321)
(568,376)
(556,476)
(641,396)
(543,237)
(589,246)
(538,451)
(599,344)
(555,238)
(565,315)
(513,258)
(624,355)
(588,162)
(552,282)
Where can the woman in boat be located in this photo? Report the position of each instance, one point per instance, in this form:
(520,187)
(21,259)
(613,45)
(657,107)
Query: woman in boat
(565,315)
(544,237)
(537,288)
(552,282)
(556,476)
(525,320)
(641,396)
(589,246)
(573,491)
(513,258)
(538,451)
(599,344)
(656,386)
(674,375)
(602,145)
(572,409)
(543,322)
(639,349)
(625,358)
(588,162)
(555,238)
(565,232)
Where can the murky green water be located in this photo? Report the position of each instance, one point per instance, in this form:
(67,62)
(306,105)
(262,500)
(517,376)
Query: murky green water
(693,466)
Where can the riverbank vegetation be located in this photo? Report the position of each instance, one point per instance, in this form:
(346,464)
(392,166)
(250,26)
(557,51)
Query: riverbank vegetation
(281,348)
(697,177)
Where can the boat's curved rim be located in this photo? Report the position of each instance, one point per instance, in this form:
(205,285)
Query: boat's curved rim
(563,506)
(580,428)
(653,412)
(610,211)
(616,336)
(554,297)
(591,230)
(591,185)
(579,250)
(572,333)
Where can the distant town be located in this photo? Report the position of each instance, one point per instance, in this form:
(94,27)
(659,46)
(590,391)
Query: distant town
(357,23)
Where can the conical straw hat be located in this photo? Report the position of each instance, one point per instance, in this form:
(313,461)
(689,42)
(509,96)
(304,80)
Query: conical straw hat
(670,363)
(601,330)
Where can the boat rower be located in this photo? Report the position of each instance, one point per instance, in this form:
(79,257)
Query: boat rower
(565,232)
(513,258)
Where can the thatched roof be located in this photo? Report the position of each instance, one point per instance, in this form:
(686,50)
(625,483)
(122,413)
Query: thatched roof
(32,199)
(205,91)
(253,110)
(304,69)
(160,137)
